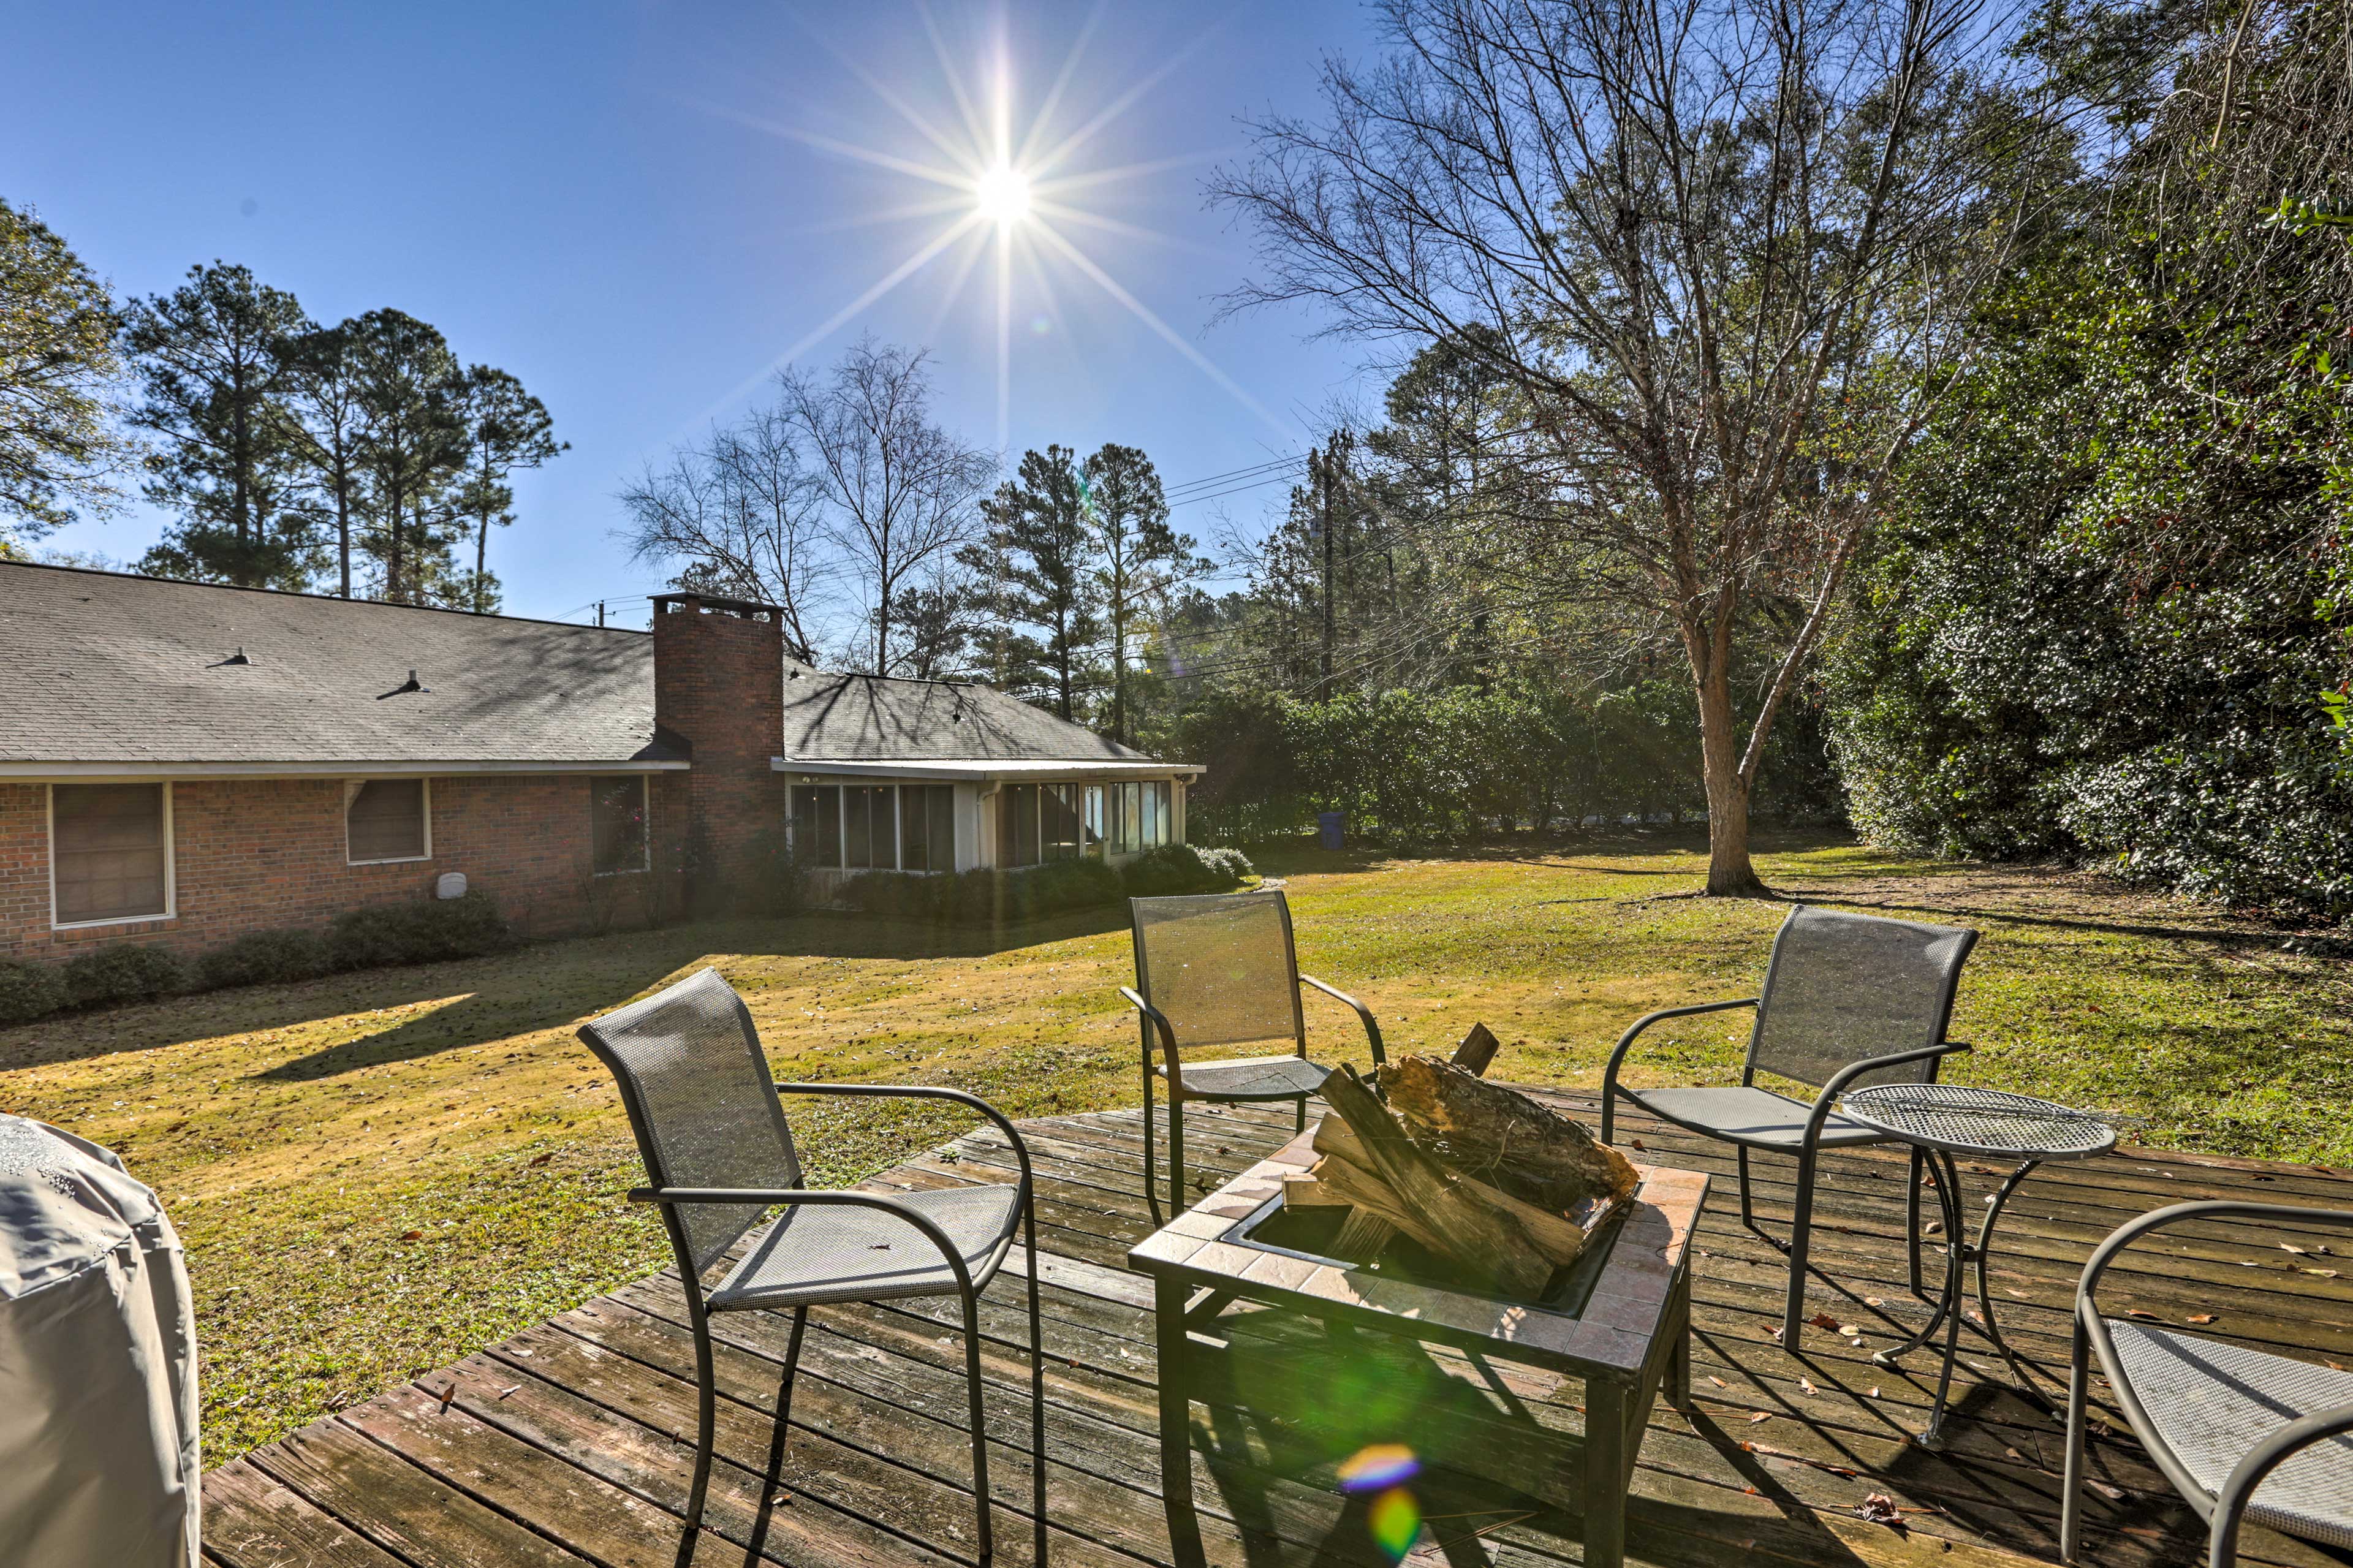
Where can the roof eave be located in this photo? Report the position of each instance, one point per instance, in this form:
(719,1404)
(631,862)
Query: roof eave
(947,770)
(329,768)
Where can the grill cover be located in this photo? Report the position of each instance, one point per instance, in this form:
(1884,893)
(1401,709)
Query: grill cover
(97,1363)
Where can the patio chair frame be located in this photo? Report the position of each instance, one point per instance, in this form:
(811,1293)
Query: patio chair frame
(1797,1243)
(2224,1511)
(1153,1024)
(670,1200)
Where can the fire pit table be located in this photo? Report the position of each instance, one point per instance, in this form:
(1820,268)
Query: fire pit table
(1617,1318)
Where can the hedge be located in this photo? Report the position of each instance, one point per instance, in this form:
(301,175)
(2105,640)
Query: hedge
(999,898)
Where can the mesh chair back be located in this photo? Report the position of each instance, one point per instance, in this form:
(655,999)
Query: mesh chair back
(1221,966)
(701,1103)
(1842,987)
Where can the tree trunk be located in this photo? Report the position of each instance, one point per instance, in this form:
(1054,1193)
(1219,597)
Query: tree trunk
(481,558)
(1729,872)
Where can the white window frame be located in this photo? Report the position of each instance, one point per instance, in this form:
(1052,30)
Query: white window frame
(171,868)
(352,795)
(646,862)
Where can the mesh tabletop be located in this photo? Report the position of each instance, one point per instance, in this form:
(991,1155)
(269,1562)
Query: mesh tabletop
(1980,1120)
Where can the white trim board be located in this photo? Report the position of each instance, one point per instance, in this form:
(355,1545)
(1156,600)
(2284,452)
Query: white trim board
(132,772)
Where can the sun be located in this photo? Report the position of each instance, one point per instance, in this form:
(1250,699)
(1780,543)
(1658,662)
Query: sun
(1002,195)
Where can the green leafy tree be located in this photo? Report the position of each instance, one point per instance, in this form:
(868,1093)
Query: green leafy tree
(506,428)
(58,366)
(1139,558)
(210,358)
(328,429)
(1040,548)
(412,453)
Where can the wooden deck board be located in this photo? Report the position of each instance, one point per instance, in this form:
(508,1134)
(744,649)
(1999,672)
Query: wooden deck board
(571,1443)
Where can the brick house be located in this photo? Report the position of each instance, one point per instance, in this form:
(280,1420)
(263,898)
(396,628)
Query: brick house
(182,763)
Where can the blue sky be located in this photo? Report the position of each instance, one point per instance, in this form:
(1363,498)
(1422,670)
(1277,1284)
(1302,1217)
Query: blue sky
(639,210)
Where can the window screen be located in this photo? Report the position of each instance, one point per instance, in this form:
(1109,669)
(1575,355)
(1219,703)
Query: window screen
(1016,825)
(1060,804)
(385,821)
(927,827)
(1091,824)
(816,824)
(1131,817)
(616,818)
(870,825)
(109,851)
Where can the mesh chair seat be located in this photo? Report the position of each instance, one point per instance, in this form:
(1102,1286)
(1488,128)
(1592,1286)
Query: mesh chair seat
(1250,1078)
(2210,1402)
(1756,1117)
(820,1253)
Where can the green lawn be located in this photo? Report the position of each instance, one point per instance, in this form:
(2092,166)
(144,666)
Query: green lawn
(378,1172)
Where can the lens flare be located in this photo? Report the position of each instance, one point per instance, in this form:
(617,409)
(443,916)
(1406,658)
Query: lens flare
(1379,1468)
(1395,1519)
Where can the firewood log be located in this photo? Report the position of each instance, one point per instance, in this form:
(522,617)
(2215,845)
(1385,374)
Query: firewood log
(1363,1233)
(1486,1241)
(1346,1169)
(1503,1138)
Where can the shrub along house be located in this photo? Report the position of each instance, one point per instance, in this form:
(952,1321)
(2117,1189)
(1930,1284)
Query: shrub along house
(182,763)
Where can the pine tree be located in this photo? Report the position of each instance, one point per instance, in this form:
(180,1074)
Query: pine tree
(413,451)
(58,365)
(1138,557)
(1039,538)
(506,428)
(328,430)
(211,362)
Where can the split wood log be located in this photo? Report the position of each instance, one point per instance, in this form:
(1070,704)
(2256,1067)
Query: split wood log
(1364,1233)
(1346,1171)
(1503,1138)
(1488,1242)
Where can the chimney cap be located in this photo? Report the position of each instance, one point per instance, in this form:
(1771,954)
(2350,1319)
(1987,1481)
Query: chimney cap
(714,602)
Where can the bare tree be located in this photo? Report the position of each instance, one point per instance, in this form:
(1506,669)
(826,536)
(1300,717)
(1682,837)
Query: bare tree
(740,515)
(1720,251)
(901,492)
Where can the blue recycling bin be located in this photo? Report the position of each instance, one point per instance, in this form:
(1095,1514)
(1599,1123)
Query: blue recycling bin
(1329,830)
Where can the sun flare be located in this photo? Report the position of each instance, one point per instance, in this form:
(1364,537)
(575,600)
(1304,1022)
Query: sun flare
(1002,195)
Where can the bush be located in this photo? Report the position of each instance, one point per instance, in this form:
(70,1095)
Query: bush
(419,932)
(986,897)
(261,957)
(124,973)
(29,990)
(1183,869)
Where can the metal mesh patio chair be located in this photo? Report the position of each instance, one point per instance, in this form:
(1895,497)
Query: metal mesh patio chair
(2242,1434)
(1848,999)
(720,1154)
(1215,971)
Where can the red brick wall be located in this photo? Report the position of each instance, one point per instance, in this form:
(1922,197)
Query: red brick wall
(261,854)
(719,687)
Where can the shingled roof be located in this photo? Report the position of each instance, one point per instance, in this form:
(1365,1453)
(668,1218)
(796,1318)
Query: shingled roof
(868,718)
(99,668)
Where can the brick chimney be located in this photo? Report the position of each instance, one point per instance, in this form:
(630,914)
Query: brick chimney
(719,672)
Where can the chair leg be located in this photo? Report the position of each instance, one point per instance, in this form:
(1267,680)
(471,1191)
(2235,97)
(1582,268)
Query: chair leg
(1175,1156)
(1037,1399)
(785,1396)
(2071,1491)
(1798,1232)
(706,1421)
(979,1426)
(1151,1189)
(1747,1213)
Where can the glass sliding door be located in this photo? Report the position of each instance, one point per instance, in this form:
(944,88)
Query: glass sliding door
(869,818)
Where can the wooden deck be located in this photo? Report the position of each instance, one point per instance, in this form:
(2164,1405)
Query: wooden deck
(571,1443)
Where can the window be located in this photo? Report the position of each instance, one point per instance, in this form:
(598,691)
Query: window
(616,818)
(1060,804)
(387,820)
(870,826)
(1131,818)
(816,824)
(1016,825)
(1091,826)
(110,853)
(927,827)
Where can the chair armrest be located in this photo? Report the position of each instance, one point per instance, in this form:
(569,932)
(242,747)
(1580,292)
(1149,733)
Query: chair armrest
(1853,1071)
(1610,1089)
(1364,1014)
(2239,1490)
(818,1197)
(926,1091)
(1160,1024)
(2132,1230)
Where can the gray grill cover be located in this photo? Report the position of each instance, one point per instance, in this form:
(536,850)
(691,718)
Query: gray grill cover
(97,1363)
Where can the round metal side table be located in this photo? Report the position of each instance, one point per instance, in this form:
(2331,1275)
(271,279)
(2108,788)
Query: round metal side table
(1943,1120)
